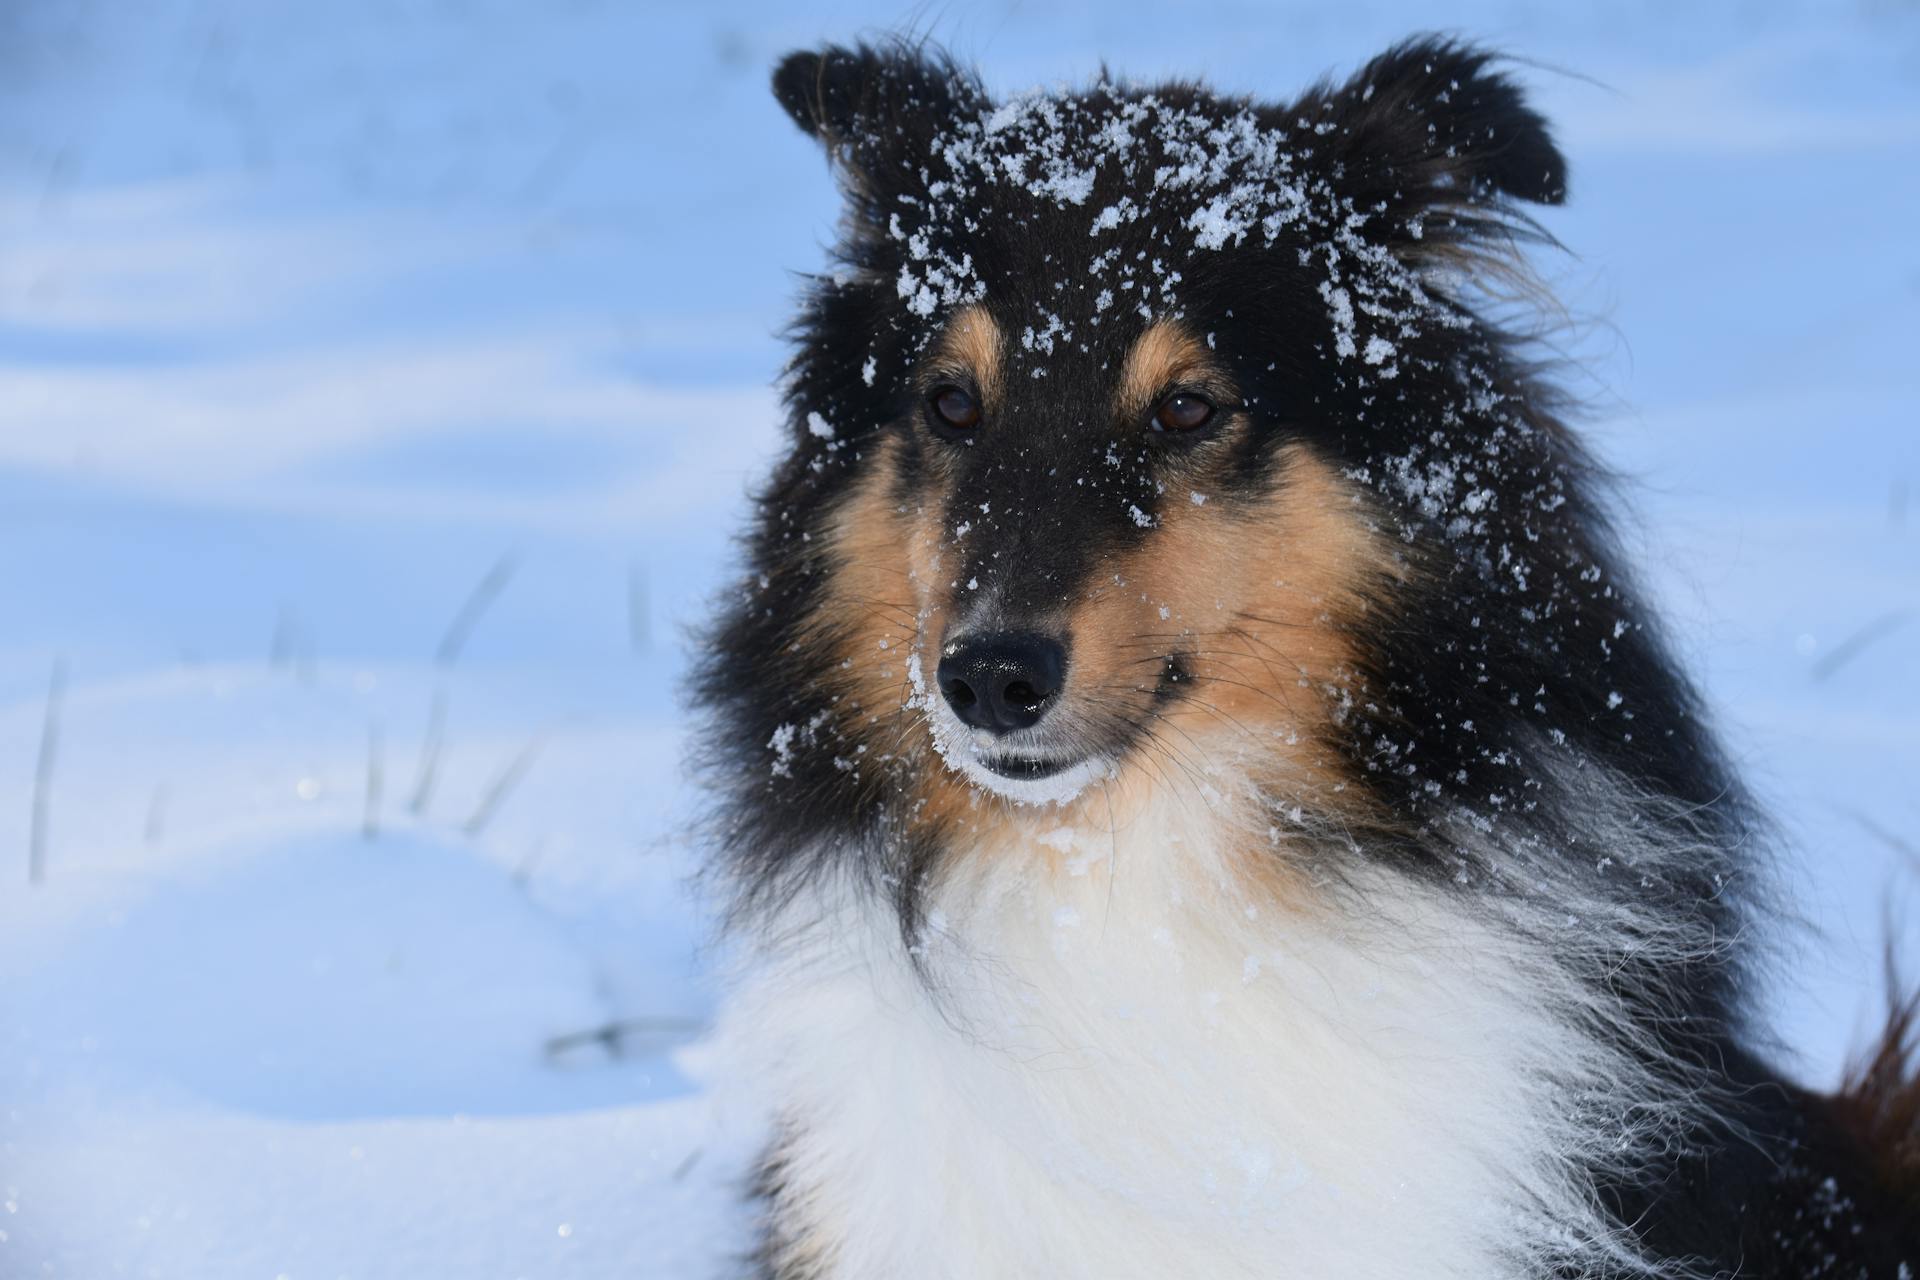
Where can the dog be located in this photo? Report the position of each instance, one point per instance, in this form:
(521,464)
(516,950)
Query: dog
(1200,792)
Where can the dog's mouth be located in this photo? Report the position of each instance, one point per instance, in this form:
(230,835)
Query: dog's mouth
(1033,779)
(1027,768)
(1034,775)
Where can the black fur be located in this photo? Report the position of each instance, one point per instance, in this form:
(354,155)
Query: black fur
(1516,655)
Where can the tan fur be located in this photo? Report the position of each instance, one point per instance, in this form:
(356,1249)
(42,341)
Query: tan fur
(886,591)
(1166,353)
(880,557)
(1260,608)
(1878,1104)
(971,344)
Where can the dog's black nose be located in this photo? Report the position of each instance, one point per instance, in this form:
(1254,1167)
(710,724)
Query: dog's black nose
(1002,681)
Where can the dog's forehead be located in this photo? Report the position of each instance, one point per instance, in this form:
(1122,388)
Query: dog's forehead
(1091,207)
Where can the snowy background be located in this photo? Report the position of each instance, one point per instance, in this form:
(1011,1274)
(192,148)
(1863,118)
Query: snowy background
(379,384)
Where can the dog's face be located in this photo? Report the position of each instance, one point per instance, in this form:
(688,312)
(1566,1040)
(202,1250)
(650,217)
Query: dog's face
(1100,536)
(1139,432)
(1099,551)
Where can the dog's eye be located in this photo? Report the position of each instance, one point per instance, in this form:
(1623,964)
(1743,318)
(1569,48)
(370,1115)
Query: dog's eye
(1183,411)
(956,408)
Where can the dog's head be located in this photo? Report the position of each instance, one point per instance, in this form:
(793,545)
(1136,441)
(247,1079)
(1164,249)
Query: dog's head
(1102,375)
(1140,430)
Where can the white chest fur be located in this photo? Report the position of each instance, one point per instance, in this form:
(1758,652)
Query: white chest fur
(1117,1060)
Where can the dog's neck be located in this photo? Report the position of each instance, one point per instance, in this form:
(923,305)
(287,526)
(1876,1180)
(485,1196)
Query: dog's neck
(1116,1053)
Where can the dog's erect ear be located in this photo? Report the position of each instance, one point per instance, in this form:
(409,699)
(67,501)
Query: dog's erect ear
(825,90)
(863,101)
(1426,124)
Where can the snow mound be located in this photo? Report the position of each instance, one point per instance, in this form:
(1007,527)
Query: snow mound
(385,1033)
(327,977)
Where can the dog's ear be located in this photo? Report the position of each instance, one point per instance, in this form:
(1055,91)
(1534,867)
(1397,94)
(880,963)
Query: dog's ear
(1426,125)
(867,102)
(825,90)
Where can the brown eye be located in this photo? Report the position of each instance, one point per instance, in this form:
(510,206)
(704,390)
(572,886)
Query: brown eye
(956,408)
(1183,411)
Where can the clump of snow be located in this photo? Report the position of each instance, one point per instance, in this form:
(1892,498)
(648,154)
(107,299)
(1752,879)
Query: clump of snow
(781,744)
(1340,308)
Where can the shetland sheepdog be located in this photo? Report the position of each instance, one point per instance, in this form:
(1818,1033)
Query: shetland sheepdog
(1201,794)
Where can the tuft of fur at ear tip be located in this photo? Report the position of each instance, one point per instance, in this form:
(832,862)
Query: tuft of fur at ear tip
(1445,100)
(832,91)
(1516,155)
(871,104)
(825,89)
(797,86)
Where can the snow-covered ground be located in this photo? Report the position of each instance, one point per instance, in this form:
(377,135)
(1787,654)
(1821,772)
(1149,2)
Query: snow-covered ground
(376,376)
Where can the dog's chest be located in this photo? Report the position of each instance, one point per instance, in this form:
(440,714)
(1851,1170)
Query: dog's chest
(1120,1061)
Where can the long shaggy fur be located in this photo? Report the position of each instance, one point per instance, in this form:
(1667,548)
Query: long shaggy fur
(1369,898)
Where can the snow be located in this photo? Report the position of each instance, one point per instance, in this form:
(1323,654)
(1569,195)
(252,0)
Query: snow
(296,343)
(254,1010)
(781,744)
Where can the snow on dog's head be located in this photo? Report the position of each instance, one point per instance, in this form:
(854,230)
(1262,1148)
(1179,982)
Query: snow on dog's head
(1148,438)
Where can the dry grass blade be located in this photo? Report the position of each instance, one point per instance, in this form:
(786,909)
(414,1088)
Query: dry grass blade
(612,1036)
(43,773)
(376,784)
(503,785)
(484,593)
(472,609)
(639,611)
(155,829)
(430,747)
(1854,645)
